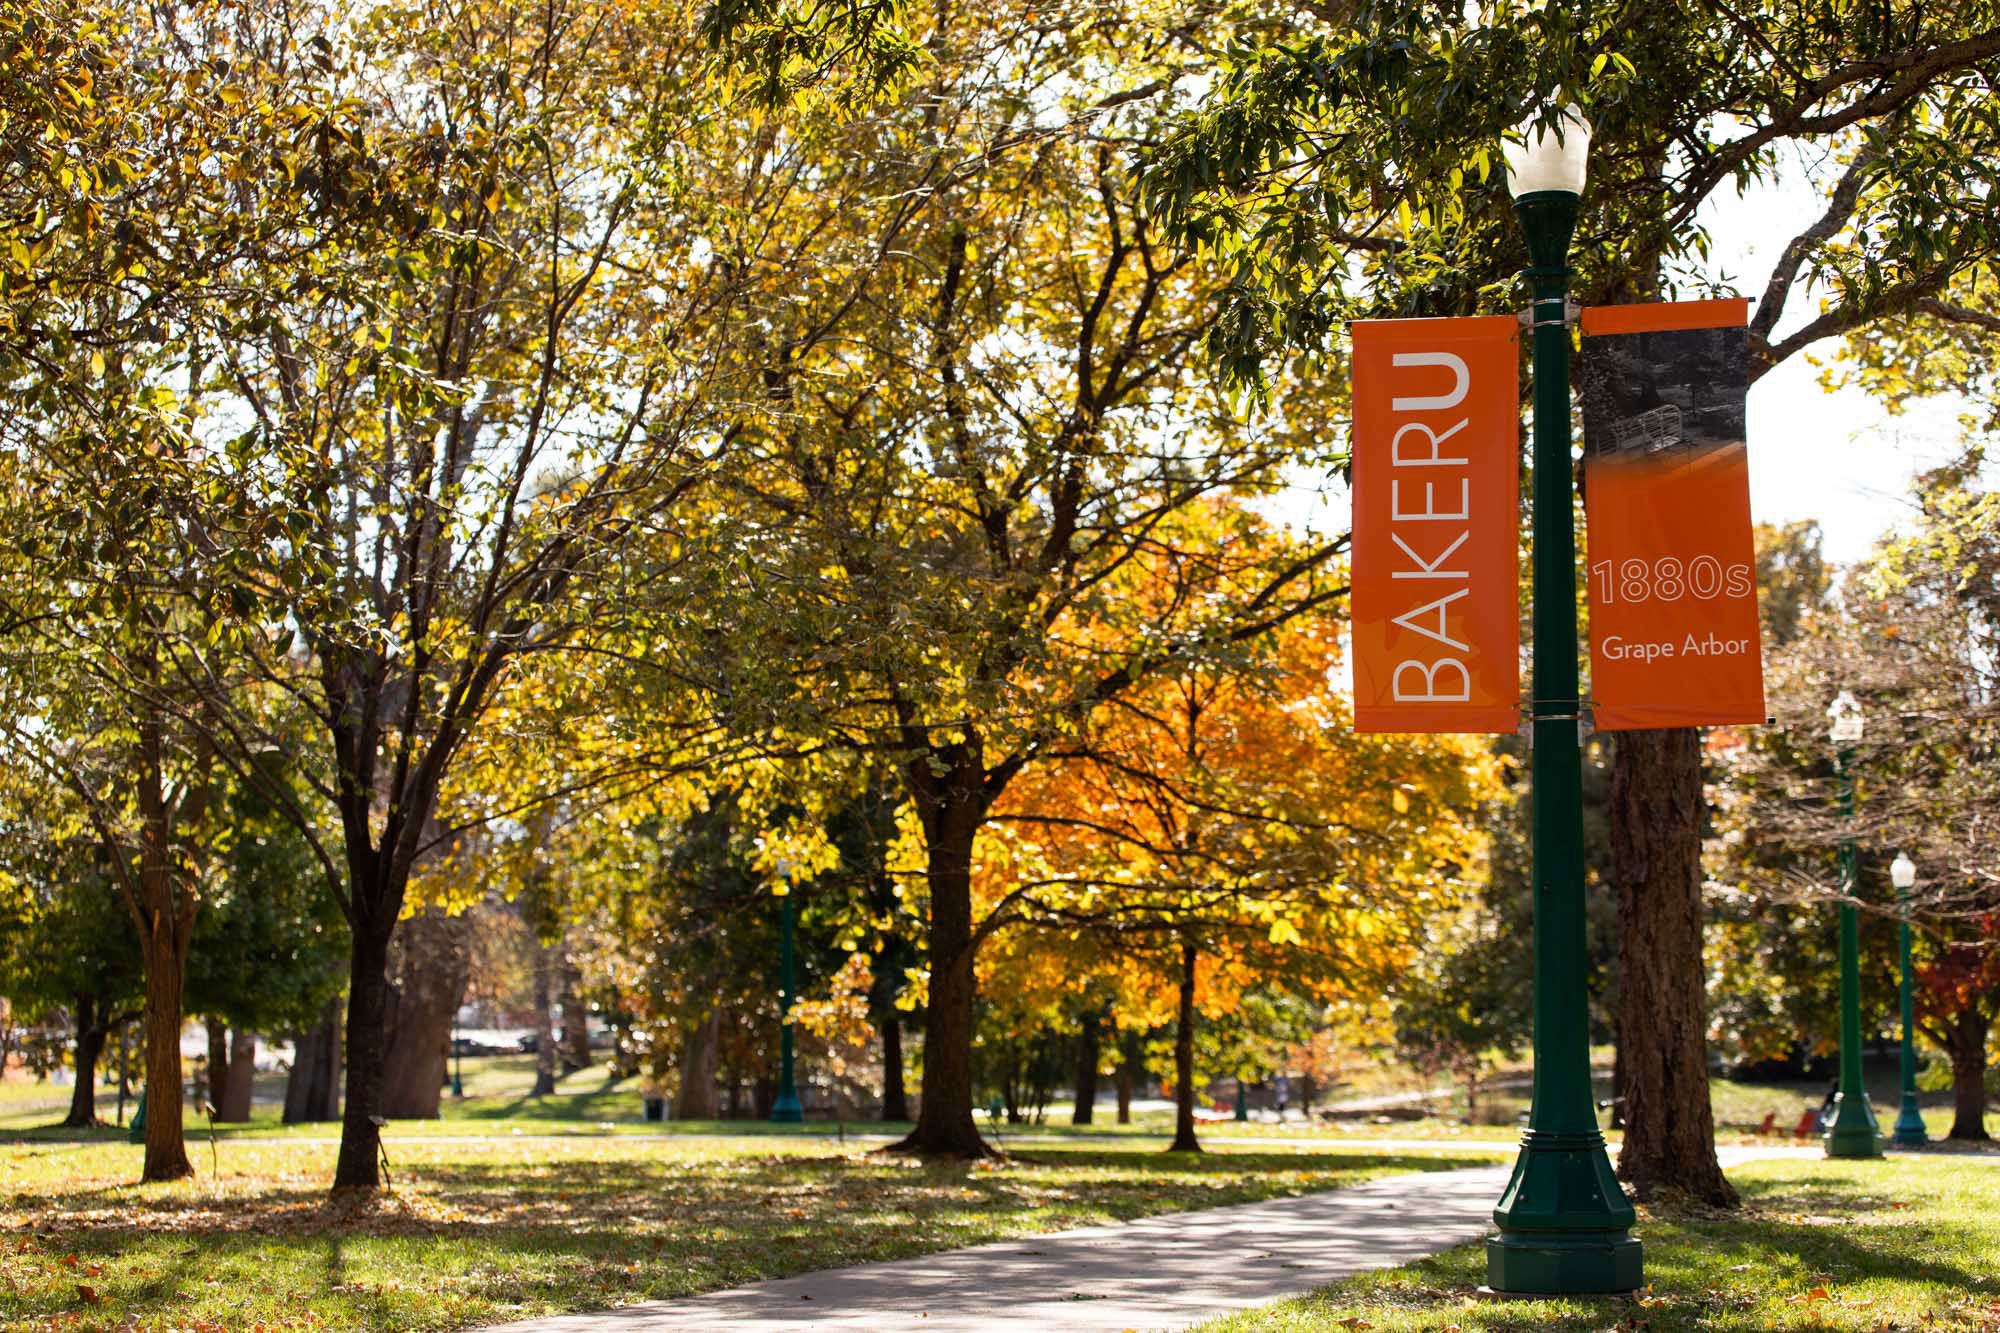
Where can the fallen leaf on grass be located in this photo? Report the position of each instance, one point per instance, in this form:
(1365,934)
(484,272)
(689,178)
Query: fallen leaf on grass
(89,1294)
(1355,1322)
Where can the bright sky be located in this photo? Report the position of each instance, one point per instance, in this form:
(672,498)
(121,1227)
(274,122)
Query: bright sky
(1835,457)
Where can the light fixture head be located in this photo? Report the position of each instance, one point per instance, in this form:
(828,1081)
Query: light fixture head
(1903,871)
(1844,717)
(1544,158)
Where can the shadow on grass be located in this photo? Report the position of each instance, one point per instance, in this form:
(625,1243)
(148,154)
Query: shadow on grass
(1708,1269)
(461,1241)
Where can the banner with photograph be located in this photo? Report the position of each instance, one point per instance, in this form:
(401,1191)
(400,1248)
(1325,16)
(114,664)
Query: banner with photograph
(1670,564)
(1436,524)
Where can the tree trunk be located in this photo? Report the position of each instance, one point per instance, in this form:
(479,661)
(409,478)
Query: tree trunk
(1184,1139)
(698,1052)
(124,1072)
(240,1081)
(1656,816)
(166,1148)
(359,1167)
(895,1099)
(945,1127)
(1968,1076)
(1618,1074)
(1086,1071)
(218,1062)
(312,1090)
(545,1031)
(1124,1082)
(90,1035)
(575,1017)
(431,965)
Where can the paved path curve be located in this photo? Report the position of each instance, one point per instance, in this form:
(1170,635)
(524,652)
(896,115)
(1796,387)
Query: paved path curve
(1156,1273)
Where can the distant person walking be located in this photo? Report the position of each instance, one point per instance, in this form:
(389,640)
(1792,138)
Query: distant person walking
(1282,1088)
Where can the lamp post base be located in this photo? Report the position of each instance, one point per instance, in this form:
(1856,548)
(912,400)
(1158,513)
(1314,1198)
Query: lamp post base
(786,1110)
(1589,1264)
(1564,1222)
(1854,1132)
(1910,1129)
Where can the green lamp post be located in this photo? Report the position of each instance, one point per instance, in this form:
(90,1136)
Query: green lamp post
(787,1109)
(1910,1131)
(1242,1102)
(1565,1225)
(1853,1132)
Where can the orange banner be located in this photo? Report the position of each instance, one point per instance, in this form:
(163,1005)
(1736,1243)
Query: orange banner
(1437,626)
(1670,561)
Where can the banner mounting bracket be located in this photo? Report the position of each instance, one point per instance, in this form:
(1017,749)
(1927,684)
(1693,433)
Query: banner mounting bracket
(1572,312)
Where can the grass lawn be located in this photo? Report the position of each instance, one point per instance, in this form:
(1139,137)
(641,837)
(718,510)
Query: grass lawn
(1818,1245)
(479,1233)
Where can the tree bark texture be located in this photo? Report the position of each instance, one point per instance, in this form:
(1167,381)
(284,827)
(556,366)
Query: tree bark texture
(1184,1139)
(358,1167)
(240,1079)
(430,963)
(545,1028)
(1968,1076)
(699,1049)
(91,1031)
(166,1147)
(312,1090)
(217,1076)
(1086,1070)
(1656,817)
(895,1098)
(945,1126)
(575,1017)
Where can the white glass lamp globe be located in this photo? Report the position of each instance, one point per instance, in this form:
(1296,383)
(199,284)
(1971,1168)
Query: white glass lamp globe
(1845,721)
(1548,157)
(1903,871)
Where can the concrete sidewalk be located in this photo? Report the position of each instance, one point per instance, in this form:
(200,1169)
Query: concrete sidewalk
(1156,1273)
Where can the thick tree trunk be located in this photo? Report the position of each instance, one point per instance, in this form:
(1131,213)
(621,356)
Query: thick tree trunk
(945,1127)
(359,1165)
(1184,1139)
(312,1091)
(1968,1077)
(545,1028)
(431,964)
(1124,1082)
(698,1056)
(166,1148)
(895,1098)
(1656,816)
(240,1081)
(218,1062)
(90,1035)
(1086,1071)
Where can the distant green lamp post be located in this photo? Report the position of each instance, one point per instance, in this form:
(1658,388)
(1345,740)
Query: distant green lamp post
(787,1109)
(1564,1222)
(1910,1131)
(1242,1100)
(457,1058)
(1853,1132)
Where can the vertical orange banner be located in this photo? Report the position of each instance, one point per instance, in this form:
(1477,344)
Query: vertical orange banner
(1437,629)
(1671,561)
